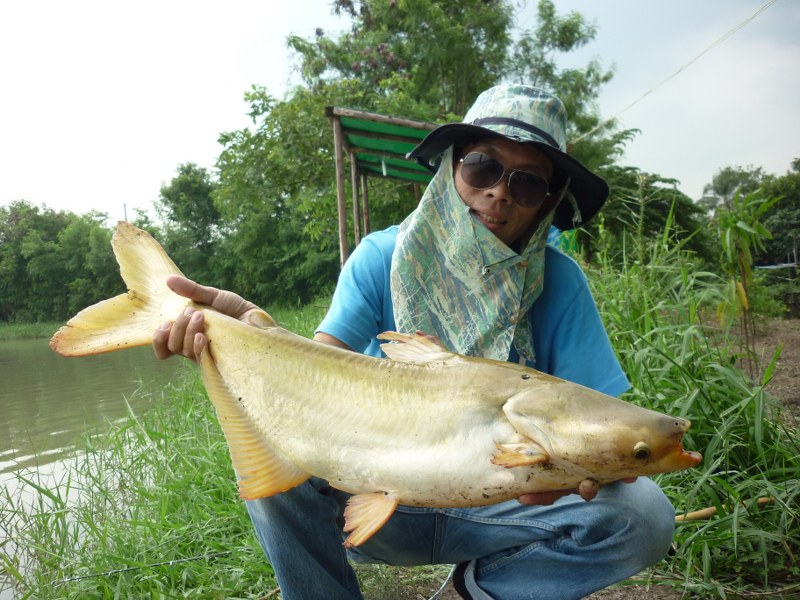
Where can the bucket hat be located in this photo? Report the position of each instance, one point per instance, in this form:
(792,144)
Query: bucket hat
(523,114)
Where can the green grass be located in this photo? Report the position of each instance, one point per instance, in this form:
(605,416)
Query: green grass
(159,487)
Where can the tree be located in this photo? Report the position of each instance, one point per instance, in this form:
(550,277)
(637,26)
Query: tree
(53,264)
(21,296)
(276,195)
(434,57)
(596,143)
(641,206)
(425,59)
(783,220)
(726,184)
(190,220)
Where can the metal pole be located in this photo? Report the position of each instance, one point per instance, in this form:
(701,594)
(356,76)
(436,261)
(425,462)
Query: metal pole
(340,201)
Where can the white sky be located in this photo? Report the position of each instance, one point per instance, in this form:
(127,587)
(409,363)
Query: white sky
(101,101)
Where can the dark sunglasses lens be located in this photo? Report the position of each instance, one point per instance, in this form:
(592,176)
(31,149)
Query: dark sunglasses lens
(527,189)
(480,170)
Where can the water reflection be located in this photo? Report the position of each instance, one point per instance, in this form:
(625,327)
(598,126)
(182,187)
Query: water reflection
(47,401)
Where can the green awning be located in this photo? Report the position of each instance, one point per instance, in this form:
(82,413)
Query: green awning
(380,143)
(376,146)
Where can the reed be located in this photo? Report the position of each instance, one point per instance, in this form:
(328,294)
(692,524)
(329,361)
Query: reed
(661,311)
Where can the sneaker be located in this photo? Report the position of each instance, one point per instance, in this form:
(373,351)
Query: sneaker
(458,580)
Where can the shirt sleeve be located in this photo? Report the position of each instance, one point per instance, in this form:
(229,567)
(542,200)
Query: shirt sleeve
(570,339)
(358,310)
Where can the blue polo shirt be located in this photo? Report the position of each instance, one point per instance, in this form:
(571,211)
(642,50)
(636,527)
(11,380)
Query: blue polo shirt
(568,336)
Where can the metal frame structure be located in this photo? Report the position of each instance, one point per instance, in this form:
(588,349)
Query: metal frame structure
(376,145)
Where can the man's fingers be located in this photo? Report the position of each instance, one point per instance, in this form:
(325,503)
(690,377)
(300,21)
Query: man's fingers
(193,327)
(200,343)
(161,341)
(543,498)
(182,333)
(194,291)
(588,489)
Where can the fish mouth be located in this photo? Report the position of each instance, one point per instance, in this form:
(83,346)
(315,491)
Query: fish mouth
(690,458)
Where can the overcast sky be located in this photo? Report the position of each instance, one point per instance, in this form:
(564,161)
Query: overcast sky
(101,101)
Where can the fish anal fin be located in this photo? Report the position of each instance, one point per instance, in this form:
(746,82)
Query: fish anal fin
(365,514)
(260,469)
(524,454)
(417,348)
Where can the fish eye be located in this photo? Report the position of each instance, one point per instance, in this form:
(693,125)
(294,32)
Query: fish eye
(641,451)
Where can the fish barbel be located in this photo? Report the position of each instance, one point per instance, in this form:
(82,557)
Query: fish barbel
(423,427)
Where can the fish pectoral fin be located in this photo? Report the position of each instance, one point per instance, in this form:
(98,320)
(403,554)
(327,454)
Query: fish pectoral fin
(260,469)
(417,348)
(524,454)
(365,514)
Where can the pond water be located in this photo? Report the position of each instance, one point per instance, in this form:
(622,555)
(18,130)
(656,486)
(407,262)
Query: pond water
(48,401)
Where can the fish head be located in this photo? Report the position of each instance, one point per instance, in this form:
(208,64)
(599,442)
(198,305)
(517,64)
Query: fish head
(604,436)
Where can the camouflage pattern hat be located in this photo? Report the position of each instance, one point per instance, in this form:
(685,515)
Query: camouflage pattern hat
(523,114)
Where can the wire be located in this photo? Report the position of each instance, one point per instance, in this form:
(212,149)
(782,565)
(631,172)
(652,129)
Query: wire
(683,68)
(138,568)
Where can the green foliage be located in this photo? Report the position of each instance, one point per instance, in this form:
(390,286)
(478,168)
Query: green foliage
(741,234)
(727,183)
(534,61)
(191,220)
(679,362)
(277,197)
(783,219)
(439,54)
(643,206)
(276,193)
(53,264)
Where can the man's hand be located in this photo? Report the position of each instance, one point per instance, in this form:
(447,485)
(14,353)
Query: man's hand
(184,335)
(587,489)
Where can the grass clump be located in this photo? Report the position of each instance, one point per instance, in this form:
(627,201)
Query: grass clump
(656,303)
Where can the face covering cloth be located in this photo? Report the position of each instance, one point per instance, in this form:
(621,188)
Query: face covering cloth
(453,278)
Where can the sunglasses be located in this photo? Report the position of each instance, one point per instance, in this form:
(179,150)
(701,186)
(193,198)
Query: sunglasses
(481,171)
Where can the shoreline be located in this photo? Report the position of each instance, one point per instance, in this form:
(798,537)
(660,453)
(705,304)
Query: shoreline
(22,331)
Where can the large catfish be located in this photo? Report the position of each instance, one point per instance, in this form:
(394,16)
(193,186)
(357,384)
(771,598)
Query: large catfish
(423,427)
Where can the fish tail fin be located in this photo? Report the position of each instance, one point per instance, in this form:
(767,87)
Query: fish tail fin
(127,320)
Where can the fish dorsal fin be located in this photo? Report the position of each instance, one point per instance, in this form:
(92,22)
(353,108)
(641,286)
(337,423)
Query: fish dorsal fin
(417,348)
(365,514)
(261,470)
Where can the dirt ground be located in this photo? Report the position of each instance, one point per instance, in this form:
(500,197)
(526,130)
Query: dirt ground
(784,387)
(785,384)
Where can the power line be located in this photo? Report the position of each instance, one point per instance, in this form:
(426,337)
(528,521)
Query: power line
(683,68)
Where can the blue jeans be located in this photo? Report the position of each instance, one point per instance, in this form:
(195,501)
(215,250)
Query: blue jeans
(566,550)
